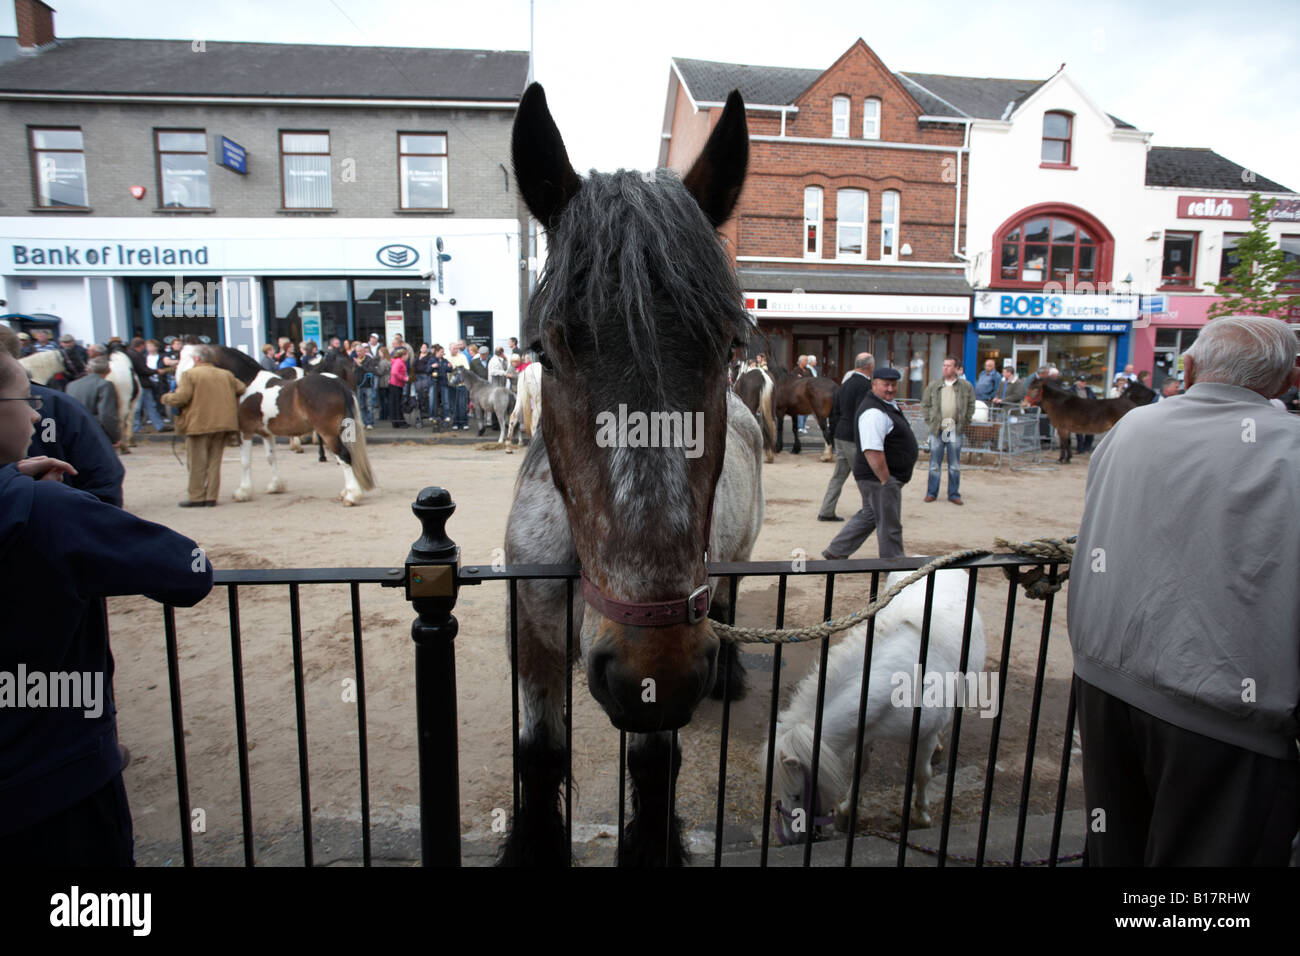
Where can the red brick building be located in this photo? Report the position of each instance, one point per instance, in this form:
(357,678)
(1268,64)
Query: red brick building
(848,236)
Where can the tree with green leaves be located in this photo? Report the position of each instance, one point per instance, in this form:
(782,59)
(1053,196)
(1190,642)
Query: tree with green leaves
(1258,284)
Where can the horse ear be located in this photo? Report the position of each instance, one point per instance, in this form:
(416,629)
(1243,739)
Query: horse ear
(542,170)
(716,178)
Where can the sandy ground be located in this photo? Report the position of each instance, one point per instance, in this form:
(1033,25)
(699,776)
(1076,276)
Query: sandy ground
(306,527)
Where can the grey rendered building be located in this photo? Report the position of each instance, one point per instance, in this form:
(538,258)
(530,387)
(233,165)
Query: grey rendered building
(242,191)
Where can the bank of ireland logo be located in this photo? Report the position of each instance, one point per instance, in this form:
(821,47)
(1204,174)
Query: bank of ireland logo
(397,256)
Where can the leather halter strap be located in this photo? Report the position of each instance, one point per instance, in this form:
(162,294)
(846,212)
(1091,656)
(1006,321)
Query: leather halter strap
(687,610)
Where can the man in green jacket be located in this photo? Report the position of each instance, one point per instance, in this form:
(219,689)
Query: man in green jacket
(947,404)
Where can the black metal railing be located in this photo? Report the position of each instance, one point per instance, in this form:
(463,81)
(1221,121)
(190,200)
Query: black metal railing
(432,579)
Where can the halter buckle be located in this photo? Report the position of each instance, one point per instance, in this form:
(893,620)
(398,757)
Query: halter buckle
(695,614)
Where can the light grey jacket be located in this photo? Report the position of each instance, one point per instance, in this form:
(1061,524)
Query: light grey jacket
(1184,595)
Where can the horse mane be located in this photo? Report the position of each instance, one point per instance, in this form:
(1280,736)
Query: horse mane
(237,363)
(635,268)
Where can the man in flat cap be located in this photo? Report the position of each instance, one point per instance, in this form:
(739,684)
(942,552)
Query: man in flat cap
(883,463)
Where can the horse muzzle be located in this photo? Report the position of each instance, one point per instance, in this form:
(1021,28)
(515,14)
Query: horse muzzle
(650,679)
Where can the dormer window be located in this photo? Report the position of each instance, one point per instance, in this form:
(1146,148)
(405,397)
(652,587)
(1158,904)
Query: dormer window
(871,119)
(840,117)
(1057,131)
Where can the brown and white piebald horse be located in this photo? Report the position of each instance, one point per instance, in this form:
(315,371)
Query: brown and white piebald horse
(272,405)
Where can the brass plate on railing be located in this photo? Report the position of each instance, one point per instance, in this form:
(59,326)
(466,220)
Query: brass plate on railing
(432,580)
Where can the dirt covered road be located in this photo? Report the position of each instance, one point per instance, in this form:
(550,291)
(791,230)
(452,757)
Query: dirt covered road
(306,527)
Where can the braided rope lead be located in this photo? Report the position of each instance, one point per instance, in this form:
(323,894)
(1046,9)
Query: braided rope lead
(1037,586)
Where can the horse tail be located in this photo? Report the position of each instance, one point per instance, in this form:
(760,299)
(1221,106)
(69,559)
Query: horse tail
(360,460)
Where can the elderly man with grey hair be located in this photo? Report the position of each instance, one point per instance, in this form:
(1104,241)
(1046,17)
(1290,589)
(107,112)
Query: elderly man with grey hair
(99,396)
(1184,615)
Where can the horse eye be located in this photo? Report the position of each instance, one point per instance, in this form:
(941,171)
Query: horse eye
(536,348)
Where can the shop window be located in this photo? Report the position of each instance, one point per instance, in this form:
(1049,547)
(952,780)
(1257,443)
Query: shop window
(1058,128)
(1167,358)
(383,304)
(812,222)
(1178,268)
(305,308)
(851,224)
(1228,258)
(840,117)
(1050,248)
(1290,246)
(422,170)
(871,119)
(305,170)
(59,167)
(182,169)
(889,225)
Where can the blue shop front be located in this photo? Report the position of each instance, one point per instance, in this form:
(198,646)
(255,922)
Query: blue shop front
(1079,334)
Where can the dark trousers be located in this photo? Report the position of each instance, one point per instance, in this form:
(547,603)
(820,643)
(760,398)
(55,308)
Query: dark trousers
(1172,797)
(95,832)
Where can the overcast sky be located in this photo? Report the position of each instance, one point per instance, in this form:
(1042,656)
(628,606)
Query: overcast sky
(1193,73)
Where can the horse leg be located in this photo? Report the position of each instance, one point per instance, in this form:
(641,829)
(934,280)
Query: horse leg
(537,533)
(778,441)
(730,678)
(924,773)
(653,836)
(1064,438)
(320,444)
(828,450)
(276,484)
(245,490)
(351,493)
(295,444)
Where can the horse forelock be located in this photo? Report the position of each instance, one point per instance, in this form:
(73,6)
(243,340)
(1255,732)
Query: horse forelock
(634,268)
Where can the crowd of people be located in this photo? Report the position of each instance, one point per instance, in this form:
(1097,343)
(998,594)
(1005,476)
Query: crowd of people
(389,376)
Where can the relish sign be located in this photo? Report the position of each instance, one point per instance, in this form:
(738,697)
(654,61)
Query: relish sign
(1234,208)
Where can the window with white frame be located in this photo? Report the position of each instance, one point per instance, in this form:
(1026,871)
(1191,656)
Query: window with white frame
(59,166)
(889,224)
(851,224)
(812,222)
(305,170)
(840,117)
(422,170)
(871,119)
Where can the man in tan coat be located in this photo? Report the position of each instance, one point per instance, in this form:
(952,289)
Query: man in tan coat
(209,399)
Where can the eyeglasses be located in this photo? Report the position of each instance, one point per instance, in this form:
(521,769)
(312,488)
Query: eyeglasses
(32,400)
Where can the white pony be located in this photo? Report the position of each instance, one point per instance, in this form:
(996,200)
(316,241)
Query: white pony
(893,665)
(121,375)
(528,408)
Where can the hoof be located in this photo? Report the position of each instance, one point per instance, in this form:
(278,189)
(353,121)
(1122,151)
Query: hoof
(769,457)
(920,818)
(276,486)
(124,450)
(243,494)
(826,457)
(347,502)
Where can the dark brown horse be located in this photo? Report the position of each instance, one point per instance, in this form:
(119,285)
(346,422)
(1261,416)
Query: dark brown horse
(807,395)
(1071,413)
(637,515)
(754,387)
